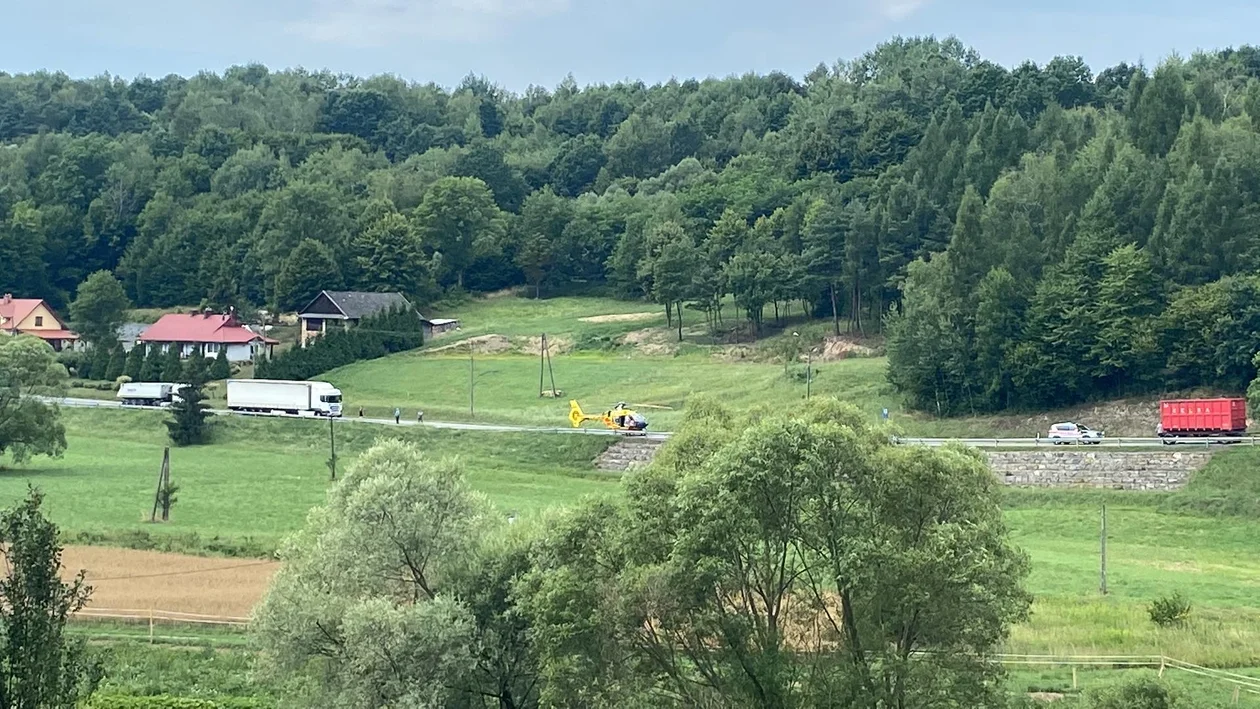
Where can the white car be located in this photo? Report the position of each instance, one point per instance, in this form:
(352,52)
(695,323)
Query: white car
(1074,433)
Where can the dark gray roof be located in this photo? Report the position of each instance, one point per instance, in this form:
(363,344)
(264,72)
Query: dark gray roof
(357,304)
(130,332)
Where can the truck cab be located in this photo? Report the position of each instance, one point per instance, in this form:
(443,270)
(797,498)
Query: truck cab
(325,399)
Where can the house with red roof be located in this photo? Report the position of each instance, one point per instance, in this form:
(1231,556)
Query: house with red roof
(32,316)
(211,332)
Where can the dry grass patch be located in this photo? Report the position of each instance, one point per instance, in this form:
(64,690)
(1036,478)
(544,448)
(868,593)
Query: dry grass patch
(481,344)
(619,317)
(142,580)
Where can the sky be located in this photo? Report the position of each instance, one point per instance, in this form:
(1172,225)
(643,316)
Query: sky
(516,43)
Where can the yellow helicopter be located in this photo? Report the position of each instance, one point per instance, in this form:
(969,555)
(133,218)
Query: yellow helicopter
(619,418)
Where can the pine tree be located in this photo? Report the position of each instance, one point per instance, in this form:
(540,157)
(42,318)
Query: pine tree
(98,363)
(221,369)
(826,229)
(1129,297)
(135,362)
(188,425)
(115,368)
(1000,312)
(172,366)
(970,258)
(151,370)
(196,367)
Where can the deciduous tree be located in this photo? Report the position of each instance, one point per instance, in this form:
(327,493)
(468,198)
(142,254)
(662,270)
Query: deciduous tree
(30,425)
(307,271)
(41,664)
(99,307)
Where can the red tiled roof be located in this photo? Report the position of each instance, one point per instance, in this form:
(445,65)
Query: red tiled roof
(15,310)
(52,334)
(196,327)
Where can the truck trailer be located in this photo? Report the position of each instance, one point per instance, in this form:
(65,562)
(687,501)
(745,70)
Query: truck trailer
(1198,418)
(148,393)
(275,396)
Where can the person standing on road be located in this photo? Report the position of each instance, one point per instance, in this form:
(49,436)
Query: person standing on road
(360,412)
(397,415)
(420,417)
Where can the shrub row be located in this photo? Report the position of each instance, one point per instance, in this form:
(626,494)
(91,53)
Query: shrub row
(165,701)
(395,330)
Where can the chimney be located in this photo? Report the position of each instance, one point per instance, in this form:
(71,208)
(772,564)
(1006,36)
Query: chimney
(8,298)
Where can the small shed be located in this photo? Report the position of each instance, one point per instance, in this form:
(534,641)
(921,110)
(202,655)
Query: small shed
(437,326)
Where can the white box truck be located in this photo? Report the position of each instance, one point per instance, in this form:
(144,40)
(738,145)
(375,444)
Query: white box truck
(148,393)
(275,396)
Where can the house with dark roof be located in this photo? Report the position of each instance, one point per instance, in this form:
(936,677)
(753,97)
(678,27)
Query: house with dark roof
(129,334)
(346,308)
(32,316)
(208,332)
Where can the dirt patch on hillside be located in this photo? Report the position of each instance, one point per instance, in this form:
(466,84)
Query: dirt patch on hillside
(619,317)
(481,344)
(555,345)
(835,348)
(651,341)
(137,581)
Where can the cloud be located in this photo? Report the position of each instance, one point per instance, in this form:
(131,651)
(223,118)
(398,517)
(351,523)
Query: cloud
(376,23)
(899,9)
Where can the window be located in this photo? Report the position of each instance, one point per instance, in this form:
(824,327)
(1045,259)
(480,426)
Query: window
(212,348)
(314,324)
(39,321)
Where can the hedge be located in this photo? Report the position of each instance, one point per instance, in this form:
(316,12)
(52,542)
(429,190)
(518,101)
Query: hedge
(166,701)
(394,330)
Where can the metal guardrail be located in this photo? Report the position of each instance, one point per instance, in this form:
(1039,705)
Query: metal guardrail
(1035,442)
(1118,442)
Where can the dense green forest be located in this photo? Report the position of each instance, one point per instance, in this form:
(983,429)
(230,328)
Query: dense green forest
(1025,236)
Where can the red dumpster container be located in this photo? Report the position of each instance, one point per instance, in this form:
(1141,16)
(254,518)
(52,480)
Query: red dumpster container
(1203,417)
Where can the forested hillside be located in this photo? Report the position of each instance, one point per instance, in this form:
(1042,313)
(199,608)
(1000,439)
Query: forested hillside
(1027,237)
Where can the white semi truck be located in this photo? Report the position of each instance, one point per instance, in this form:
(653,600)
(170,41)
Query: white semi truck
(148,393)
(275,396)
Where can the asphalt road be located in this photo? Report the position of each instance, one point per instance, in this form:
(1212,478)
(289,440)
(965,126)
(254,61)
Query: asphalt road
(1012,443)
(450,425)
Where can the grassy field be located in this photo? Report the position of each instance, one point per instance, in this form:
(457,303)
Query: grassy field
(261,475)
(257,482)
(605,350)
(242,494)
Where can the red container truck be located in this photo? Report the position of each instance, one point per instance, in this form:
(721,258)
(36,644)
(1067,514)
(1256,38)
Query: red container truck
(1180,418)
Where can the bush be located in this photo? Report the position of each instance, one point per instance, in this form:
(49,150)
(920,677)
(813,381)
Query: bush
(395,330)
(1146,691)
(72,360)
(1167,611)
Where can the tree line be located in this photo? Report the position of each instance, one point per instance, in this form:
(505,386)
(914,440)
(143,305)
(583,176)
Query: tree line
(903,186)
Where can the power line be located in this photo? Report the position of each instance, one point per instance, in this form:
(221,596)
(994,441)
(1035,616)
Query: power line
(179,573)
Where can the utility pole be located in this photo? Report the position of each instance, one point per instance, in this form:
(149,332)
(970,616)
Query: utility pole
(471,379)
(332,448)
(1103,548)
(809,373)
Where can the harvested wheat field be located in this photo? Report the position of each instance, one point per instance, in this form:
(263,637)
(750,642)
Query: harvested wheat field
(140,581)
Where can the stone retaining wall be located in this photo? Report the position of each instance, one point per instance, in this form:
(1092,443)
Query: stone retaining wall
(628,453)
(1155,470)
